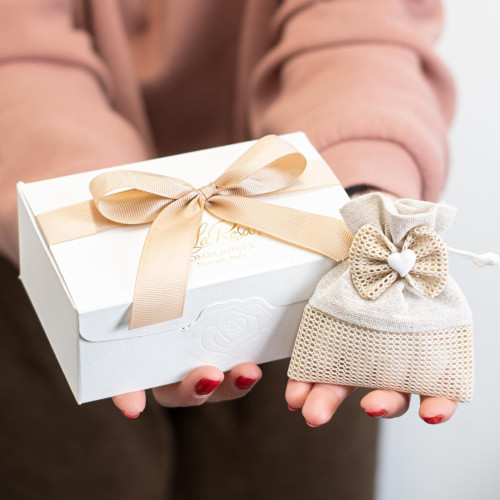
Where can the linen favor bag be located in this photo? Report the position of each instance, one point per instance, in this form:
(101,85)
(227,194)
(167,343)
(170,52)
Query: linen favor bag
(390,316)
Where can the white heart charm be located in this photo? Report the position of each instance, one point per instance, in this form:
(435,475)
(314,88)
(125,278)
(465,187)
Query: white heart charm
(402,262)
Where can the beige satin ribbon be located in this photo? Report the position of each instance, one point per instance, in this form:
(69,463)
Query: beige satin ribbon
(175,208)
(371,273)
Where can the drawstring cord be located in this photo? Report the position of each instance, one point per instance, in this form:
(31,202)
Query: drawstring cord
(481,260)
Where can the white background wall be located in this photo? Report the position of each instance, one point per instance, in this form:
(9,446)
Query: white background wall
(460,459)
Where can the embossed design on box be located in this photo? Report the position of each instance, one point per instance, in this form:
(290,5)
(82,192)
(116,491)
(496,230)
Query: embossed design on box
(234,328)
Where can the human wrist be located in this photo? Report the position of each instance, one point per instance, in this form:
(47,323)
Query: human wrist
(360,189)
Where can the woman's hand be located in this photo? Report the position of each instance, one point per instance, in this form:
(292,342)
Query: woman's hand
(319,402)
(206,383)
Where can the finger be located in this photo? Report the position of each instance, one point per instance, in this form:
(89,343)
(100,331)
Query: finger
(237,382)
(131,404)
(435,410)
(296,393)
(385,403)
(323,401)
(194,390)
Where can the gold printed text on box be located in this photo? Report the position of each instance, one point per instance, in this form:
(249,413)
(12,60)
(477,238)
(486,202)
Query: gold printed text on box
(220,231)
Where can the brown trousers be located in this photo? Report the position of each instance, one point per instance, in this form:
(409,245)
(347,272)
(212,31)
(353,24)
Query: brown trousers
(252,448)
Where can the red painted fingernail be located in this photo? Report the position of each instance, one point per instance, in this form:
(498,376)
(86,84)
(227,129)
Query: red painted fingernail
(311,425)
(434,420)
(206,386)
(128,415)
(244,382)
(291,408)
(376,414)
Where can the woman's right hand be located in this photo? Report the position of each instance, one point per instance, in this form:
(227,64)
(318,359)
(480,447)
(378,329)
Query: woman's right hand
(206,383)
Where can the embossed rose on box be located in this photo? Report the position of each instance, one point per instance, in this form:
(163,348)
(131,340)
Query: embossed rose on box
(236,332)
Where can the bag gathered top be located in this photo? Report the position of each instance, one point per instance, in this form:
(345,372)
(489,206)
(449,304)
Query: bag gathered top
(390,316)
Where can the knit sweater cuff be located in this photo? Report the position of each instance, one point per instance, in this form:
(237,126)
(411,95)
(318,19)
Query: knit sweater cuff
(382,164)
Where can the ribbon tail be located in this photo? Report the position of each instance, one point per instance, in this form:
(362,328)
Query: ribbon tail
(317,233)
(161,281)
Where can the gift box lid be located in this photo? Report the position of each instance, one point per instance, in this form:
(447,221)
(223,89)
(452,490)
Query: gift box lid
(228,261)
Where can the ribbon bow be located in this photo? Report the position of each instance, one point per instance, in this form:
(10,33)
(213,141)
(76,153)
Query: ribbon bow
(375,261)
(175,209)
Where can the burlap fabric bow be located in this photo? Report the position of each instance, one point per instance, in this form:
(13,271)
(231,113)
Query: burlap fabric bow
(376,262)
(174,208)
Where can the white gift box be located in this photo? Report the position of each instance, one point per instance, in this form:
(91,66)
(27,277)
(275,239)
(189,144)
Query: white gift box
(244,299)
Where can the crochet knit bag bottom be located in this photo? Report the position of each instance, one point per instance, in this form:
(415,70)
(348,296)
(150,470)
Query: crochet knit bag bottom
(433,363)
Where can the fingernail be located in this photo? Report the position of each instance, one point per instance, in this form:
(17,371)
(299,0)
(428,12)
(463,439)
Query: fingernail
(206,386)
(434,420)
(291,408)
(128,415)
(376,414)
(311,425)
(244,382)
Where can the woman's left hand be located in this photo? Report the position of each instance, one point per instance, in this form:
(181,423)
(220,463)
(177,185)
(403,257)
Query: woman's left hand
(319,402)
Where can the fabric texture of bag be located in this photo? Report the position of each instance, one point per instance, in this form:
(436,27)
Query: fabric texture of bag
(390,316)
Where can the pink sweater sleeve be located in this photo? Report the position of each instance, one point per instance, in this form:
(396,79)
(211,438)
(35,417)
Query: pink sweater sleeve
(56,115)
(361,79)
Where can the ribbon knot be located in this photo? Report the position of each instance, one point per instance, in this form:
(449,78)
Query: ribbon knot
(372,270)
(174,208)
(207,191)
